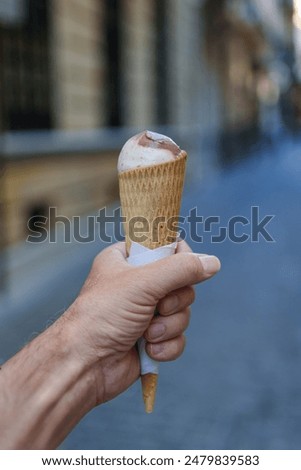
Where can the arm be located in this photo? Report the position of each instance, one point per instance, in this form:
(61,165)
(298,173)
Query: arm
(45,390)
(88,356)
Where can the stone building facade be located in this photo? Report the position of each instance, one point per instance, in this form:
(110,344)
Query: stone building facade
(79,65)
(68,66)
(151,42)
(78,68)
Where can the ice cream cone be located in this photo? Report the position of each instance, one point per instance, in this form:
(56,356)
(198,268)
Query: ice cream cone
(151,200)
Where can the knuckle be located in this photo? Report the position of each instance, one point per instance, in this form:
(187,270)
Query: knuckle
(176,348)
(191,294)
(180,346)
(194,268)
(97,260)
(198,268)
(170,350)
(186,296)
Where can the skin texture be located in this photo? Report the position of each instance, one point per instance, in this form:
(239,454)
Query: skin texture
(88,356)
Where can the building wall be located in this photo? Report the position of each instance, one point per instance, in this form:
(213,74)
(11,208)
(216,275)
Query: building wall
(138,62)
(75,185)
(78,63)
(240,81)
(185,50)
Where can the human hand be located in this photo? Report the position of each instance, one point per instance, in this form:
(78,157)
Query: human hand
(116,307)
(88,356)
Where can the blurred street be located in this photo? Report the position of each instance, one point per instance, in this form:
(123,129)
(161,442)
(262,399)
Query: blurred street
(238,383)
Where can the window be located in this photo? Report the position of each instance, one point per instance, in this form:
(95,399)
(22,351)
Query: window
(113,40)
(161,62)
(24,62)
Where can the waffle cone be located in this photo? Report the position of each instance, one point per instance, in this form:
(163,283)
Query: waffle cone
(151,200)
(149,387)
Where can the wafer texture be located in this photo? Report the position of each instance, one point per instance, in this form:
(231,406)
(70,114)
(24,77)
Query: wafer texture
(151,200)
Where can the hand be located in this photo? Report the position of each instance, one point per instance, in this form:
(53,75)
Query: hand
(88,355)
(116,307)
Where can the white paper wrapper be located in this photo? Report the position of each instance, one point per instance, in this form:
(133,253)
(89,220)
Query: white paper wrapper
(139,255)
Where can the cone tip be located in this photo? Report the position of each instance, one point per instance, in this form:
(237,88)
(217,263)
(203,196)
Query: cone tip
(149,388)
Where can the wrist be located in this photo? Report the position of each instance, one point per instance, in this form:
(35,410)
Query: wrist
(87,336)
(85,346)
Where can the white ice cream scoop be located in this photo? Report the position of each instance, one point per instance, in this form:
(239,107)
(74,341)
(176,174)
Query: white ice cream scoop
(145,149)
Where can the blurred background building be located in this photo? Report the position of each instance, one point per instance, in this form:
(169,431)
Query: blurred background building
(215,70)
(78,77)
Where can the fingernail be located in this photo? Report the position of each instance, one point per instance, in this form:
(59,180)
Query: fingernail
(156,330)
(211,264)
(157,348)
(171,303)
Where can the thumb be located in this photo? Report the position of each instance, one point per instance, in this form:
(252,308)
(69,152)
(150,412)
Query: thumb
(179,270)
